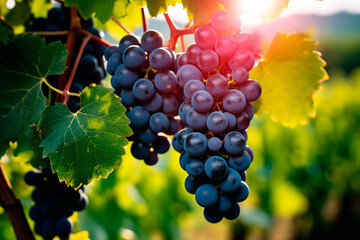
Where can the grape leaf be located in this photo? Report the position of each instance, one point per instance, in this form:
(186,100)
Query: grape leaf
(200,11)
(4,33)
(289,75)
(88,144)
(25,61)
(158,6)
(103,9)
(20,13)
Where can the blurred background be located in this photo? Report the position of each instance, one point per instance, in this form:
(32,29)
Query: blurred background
(304,181)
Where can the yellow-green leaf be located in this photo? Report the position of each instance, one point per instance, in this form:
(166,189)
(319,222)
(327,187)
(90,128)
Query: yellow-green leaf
(289,75)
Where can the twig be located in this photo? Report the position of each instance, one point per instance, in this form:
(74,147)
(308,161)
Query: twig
(92,36)
(117,21)
(73,71)
(6,24)
(13,208)
(57,33)
(144,23)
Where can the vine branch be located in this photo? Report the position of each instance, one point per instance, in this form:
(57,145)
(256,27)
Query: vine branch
(144,23)
(13,208)
(56,33)
(117,21)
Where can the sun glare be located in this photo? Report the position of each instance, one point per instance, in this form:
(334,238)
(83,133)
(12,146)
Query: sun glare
(254,11)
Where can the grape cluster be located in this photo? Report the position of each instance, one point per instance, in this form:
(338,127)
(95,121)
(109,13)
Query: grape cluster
(91,66)
(144,76)
(54,203)
(214,76)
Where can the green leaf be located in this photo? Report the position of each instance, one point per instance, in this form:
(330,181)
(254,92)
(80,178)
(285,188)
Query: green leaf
(103,9)
(4,33)
(25,61)
(88,144)
(201,11)
(20,13)
(28,147)
(156,7)
(289,75)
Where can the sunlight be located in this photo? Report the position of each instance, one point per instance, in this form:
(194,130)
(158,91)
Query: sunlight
(255,10)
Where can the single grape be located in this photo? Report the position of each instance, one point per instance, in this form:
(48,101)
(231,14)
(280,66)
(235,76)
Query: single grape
(214,144)
(242,58)
(192,52)
(64,227)
(249,109)
(152,159)
(216,167)
(242,121)
(212,215)
(202,101)
(170,104)
(225,46)
(195,144)
(232,181)
(151,40)
(194,167)
(143,89)
(231,120)
(224,204)
(240,163)
(154,104)
(138,116)
(173,126)
(140,150)
(207,60)
(185,158)
(165,81)
(242,193)
(217,122)
(205,37)
(234,101)
(48,229)
(182,60)
(221,20)
(161,145)
(113,63)
(134,57)
(184,107)
(251,89)
(158,122)
(217,85)
(127,41)
(188,72)
(179,138)
(234,143)
(206,195)
(195,119)
(148,136)
(193,86)
(160,59)
(233,213)
(110,51)
(240,75)
(191,184)
(128,98)
(124,77)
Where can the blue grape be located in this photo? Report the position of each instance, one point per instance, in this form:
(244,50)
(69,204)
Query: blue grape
(110,51)
(240,163)
(128,98)
(134,57)
(214,144)
(231,120)
(195,144)
(232,182)
(206,195)
(143,89)
(195,119)
(194,167)
(154,104)
(138,116)
(192,87)
(224,204)
(216,167)
(243,176)
(161,145)
(188,72)
(160,59)
(191,184)
(165,81)
(242,193)
(140,150)
(207,60)
(124,77)
(151,40)
(148,136)
(184,107)
(173,126)
(251,89)
(249,109)
(127,41)
(234,143)
(152,159)
(179,138)
(217,122)
(212,215)
(35,213)
(158,122)
(48,229)
(64,227)
(192,52)
(250,152)
(170,104)
(113,63)
(233,213)
(202,101)
(184,159)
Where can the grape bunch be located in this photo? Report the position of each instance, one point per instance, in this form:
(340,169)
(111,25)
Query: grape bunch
(54,203)
(144,76)
(91,66)
(215,80)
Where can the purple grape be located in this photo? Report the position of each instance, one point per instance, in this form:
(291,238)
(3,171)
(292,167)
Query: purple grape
(217,85)
(193,86)
(234,101)
(225,46)
(205,37)
(207,60)
(217,122)
(202,101)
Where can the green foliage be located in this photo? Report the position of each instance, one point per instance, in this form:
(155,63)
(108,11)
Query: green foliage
(289,75)
(88,144)
(4,33)
(25,61)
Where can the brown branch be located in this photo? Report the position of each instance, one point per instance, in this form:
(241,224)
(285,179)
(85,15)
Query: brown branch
(6,24)
(57,33)
(74,68)
(13,208)
(92,36)
(144,23)
(117,21)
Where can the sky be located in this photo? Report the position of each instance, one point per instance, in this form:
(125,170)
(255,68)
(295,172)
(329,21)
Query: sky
(255,7)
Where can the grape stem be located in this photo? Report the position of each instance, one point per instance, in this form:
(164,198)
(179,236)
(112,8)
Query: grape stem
(92,36)
(73,71)
(57,33)
(58,90)
(117,21)
(144,23)
(13,208)
(176,32)
(6,24)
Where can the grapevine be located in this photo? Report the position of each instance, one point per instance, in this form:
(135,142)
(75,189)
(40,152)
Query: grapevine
(197,102)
